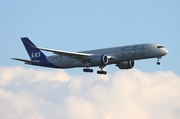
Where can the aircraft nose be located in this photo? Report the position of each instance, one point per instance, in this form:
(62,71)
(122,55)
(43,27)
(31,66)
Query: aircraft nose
(165,51)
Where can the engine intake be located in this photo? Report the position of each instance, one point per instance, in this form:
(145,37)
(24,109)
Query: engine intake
(99,59)
(126,64)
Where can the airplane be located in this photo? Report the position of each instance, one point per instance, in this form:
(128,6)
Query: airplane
(123,56)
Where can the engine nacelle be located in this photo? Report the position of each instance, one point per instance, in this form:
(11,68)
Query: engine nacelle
(99,60)
(126,64)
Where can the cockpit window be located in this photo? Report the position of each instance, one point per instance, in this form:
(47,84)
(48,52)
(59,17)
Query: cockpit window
(160,47)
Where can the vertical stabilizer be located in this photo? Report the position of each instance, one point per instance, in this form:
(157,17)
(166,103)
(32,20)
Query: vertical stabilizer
(34,53)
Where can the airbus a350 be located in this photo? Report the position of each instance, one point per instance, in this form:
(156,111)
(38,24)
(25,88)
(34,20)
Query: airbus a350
(123,56)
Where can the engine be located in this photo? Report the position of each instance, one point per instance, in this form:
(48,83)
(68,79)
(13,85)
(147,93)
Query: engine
(126,64)
(99,60)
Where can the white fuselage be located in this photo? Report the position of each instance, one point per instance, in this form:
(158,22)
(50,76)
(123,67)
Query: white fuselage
(118,54)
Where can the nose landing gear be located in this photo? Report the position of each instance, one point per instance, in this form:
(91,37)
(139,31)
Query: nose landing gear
(158,60)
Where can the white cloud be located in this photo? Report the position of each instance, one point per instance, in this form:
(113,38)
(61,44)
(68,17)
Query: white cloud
(13,74)
(127,94)
(80,108)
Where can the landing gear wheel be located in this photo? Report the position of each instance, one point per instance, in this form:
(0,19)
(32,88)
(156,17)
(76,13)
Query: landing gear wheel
(87,70)
(158,63)
(101,72)
(105,72)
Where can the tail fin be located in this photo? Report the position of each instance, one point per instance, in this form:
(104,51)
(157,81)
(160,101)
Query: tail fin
(34,53)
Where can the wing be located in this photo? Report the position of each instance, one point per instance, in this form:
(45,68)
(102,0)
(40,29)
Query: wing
(75,55)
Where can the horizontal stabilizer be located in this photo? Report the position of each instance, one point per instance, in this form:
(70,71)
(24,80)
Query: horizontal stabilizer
(25,61)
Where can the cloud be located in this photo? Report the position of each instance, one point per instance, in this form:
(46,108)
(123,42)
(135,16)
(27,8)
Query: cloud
(13,74)
(127,94)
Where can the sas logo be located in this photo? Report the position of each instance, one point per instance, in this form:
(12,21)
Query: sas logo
(35,54)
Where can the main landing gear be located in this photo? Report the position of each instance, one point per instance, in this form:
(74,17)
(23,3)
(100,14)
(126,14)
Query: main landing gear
(158,60)
(87,70)
(101,71)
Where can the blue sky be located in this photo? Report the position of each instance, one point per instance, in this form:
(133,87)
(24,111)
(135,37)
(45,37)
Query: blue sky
(83,25)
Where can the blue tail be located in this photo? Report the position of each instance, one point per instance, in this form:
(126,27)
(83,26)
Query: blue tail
(34,53)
